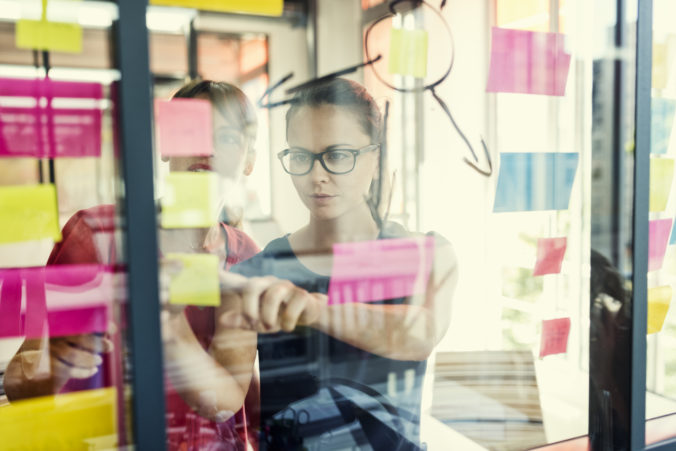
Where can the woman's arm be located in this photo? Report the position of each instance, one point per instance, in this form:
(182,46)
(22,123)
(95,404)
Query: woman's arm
(402,332)
(41,367)
(214,391)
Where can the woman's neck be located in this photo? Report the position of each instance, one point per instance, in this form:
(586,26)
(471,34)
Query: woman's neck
(321,234)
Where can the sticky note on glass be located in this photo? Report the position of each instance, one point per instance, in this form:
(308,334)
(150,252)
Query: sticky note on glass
(535,181)
(659,299)
(528,62)
(197,283)
(370,271)
(57,300)
(28,213)
(51,36)
(660,70)
(549,256)
(184,127)
(69,421)
(44,131)
(661,179)
(408,52)
(661,124)
(258,7)
(190,200)
(554,339)
(658,238)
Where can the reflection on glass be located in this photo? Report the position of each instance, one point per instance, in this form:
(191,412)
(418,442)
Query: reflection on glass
(661,351)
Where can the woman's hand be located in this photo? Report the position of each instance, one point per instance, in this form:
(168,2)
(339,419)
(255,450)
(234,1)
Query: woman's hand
(266,304)
(78,356)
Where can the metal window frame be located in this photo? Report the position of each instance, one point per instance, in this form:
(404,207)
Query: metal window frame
(134,102)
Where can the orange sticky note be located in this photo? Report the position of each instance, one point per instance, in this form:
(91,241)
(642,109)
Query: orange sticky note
(408,52)
(81,420)
(28,212)
(197,283)
(659,299)
(259,7)
(661,178)
(190,200)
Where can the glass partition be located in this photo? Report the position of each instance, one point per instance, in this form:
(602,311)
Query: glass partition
(63,352)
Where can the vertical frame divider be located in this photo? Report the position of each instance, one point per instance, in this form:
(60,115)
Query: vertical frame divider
(639,303)
(135,133)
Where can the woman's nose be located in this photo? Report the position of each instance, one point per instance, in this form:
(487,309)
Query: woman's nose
(318,173)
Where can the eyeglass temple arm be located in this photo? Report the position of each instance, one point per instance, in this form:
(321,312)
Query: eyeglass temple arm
(473,164)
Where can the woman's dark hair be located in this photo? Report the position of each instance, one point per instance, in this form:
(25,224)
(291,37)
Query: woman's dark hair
(228,99)
(344,93)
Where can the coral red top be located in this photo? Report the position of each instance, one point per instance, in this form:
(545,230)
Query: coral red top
(88,237)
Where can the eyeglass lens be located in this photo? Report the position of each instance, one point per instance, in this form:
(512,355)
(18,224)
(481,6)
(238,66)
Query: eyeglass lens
(336,161)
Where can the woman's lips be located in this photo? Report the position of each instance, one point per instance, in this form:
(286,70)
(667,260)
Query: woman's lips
(197,167)
(321,198)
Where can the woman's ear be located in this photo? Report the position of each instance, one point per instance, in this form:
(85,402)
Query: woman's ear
(249,162)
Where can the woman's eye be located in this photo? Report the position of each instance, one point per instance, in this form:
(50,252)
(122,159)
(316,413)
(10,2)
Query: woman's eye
(228,139)
(299,157)
(337,156)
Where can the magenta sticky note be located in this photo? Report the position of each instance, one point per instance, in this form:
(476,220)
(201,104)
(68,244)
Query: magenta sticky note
(658,238)
(549,256)
(58,300)
(45,128)
(48,88)
(528,62)
(184,127)
(371,271)
(554,339)
(10,303)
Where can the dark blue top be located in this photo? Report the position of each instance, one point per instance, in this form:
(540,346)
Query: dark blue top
(295,366)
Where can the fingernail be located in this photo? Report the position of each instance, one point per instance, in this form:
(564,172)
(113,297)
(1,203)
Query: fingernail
(98,360)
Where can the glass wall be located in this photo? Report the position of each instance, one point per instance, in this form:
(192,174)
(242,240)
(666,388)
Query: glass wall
(63,353)
(379,225)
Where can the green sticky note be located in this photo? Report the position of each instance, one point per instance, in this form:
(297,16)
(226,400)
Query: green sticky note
(659,299)
(197,283)
(408,52)
(45,35)
(190,200)
(28,213)
(661,178)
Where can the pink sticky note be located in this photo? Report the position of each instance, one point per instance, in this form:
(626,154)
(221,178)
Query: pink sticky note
(658,238)
(549,256)
(58,300)
(184,127)
(528,62)
(369,271)
(46,130)
(554,336)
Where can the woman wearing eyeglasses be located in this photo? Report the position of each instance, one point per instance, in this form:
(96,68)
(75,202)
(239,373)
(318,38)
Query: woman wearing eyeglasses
(337,374)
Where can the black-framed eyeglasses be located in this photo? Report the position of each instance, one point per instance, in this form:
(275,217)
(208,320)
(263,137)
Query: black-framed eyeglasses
(336,160)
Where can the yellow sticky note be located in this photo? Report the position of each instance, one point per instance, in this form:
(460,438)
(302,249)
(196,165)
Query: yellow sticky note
(661,178)
(44,35)
(190,200)
(28,213)
(258,7)
(408,52)
(82,420)
(659,299)
(197,283)
(660,73)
